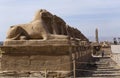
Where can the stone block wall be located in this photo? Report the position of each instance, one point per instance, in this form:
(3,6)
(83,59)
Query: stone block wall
(35,63)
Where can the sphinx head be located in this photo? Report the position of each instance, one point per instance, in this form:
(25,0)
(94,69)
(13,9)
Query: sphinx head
(42,14)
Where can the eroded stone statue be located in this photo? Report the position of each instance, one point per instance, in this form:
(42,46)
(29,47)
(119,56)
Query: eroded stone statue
(40,28)
(44,26)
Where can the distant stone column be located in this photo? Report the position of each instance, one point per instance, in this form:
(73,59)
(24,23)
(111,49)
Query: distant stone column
(96,35)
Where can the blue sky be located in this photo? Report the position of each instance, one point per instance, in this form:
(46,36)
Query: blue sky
(86,15)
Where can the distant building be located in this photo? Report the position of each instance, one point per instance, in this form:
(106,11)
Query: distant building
(1,42)
(115,41)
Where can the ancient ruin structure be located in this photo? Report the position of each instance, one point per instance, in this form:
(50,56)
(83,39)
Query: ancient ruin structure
(46,44)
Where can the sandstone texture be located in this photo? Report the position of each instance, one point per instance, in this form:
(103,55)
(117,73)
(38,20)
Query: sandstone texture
(46,43)
(44,26)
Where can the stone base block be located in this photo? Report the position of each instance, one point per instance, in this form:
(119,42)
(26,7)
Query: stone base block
(35,63)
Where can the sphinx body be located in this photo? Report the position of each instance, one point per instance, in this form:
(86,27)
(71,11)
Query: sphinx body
(40,28)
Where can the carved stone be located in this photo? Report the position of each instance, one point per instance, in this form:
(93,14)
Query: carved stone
(46,43)
(44,26)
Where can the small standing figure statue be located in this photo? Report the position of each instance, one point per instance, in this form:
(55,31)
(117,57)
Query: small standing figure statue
(102,53)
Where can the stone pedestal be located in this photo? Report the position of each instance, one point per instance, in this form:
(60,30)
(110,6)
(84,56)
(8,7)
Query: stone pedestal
(36,56)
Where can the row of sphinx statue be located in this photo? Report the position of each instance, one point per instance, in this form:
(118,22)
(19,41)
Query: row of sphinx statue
(44,26)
